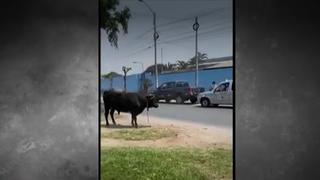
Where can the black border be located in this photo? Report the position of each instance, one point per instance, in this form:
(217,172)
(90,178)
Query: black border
(99,93)
(234,94)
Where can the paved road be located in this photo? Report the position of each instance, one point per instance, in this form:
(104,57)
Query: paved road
(218,116)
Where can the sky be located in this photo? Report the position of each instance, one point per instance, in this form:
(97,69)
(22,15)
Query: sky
(176,35)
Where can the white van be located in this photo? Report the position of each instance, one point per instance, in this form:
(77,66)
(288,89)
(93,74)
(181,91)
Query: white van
(222,94)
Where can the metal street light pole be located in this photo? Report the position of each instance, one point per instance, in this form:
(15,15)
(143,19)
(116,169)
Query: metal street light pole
(155,37)
(195,28)
(161,61)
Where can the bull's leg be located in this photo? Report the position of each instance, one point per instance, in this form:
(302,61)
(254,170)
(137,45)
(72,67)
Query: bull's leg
(132,119)
(106,113)
(111,113)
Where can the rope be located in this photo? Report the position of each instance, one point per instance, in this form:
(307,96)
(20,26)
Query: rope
(148,117)
(148,112)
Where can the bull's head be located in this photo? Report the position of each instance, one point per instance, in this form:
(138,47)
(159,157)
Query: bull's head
(152,102)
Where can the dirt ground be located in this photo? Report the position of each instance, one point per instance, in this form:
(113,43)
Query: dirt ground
(186,134)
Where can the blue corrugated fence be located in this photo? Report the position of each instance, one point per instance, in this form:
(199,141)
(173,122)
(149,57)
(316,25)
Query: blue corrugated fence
(205,79)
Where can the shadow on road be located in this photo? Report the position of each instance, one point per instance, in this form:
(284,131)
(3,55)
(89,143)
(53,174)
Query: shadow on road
(186,103)
(197,105)
(119,126)
(216,107)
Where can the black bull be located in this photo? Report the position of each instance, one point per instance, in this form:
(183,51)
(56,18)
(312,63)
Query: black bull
(133,103)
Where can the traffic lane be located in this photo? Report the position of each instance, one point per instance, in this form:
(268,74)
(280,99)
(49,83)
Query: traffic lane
(217,116)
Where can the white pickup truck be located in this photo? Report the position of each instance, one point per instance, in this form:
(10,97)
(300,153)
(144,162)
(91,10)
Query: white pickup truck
(222,94)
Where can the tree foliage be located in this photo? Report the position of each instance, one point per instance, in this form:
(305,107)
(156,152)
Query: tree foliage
(151,69)
(111,19)
(201,58)
(125,71)
(180,65)
(183,65)
(110,75)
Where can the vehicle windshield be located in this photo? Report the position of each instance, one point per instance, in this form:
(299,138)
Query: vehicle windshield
(222,87)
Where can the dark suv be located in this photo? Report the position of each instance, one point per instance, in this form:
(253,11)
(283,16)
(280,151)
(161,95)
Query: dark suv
(177,90)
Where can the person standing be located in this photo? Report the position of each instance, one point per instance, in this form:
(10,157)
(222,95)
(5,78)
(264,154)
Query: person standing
(213,85)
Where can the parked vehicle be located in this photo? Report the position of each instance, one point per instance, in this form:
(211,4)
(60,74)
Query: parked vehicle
(180,91)
(222,94)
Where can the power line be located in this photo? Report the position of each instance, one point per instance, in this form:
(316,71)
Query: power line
(169,42)
(212,29)
(135,52)
(205,28)
(187,36)
(181,36)
(180,20)
(187,28)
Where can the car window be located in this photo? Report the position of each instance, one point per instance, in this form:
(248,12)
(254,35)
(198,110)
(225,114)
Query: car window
(171,84)
(182,84)
(164,86)
(222,87)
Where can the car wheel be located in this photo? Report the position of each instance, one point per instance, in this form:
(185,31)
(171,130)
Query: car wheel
(179,100)
(205,102)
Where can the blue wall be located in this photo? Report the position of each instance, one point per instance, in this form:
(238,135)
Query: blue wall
(205,79)
(118,83)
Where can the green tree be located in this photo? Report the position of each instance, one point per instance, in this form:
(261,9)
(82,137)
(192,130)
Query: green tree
(111,19)
(151,69)
(110,76)
(125,71)
(201,58)
(169,67)
(182,65)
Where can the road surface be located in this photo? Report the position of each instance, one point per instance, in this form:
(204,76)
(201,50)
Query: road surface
(216,116)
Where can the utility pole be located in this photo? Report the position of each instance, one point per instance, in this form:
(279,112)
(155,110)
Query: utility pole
(155,37)
(195,28)
(161,61)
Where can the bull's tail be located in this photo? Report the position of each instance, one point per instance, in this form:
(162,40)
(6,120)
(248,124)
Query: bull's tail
(148,112)
(148,116)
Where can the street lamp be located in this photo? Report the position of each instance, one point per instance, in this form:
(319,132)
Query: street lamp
(138,62)
(155,37)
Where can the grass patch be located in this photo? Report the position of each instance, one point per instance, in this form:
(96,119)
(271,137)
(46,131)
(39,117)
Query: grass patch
(140,134)
(158,164)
